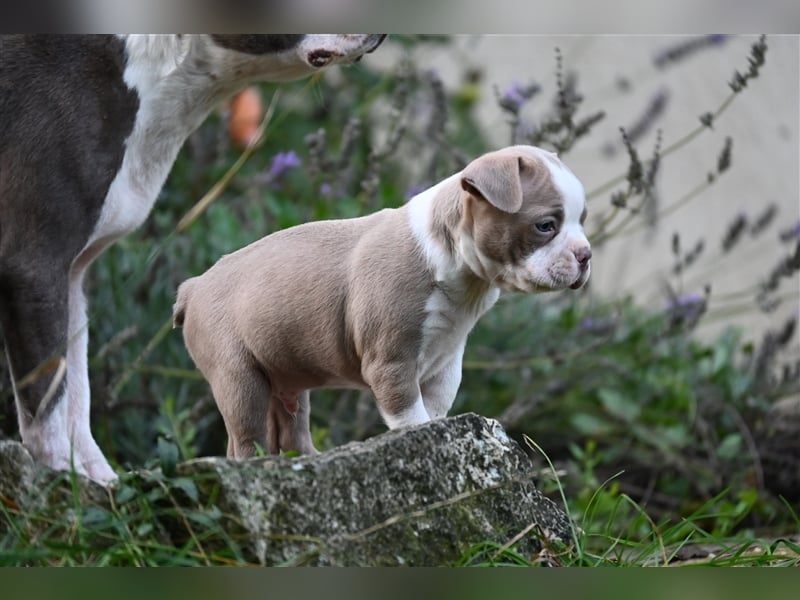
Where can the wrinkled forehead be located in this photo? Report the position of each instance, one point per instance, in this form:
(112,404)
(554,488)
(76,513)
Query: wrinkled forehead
(553,183)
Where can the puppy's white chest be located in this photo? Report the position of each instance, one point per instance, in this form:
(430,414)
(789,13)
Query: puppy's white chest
(448,321)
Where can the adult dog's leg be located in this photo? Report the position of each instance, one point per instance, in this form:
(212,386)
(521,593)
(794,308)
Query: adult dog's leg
(43,316)
(78,406)
(34,317)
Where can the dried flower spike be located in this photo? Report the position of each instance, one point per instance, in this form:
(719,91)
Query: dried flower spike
(724,160)
(684,49)
(734,233)
(755,61)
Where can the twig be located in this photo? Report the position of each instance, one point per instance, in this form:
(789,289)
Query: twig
(223,182)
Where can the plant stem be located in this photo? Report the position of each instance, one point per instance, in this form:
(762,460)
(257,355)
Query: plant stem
(677,145)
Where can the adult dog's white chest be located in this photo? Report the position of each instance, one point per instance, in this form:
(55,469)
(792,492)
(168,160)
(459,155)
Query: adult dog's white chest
(156,72)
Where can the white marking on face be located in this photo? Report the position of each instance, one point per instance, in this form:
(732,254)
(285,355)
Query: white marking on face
(555,265)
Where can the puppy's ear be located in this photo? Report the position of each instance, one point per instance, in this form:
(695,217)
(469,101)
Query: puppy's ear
(495,179)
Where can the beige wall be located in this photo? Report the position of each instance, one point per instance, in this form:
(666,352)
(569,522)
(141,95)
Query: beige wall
(763,121)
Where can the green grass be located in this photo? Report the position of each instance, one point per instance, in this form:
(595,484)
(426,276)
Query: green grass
(154,520)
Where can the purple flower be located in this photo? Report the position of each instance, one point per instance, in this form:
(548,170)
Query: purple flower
(326,190)
(281,163)
(687,300)
(792,233)
(686,310)
(516,95)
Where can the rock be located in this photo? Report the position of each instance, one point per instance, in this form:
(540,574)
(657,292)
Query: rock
(418,496)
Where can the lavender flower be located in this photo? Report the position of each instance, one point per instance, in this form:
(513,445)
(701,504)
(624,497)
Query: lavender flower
(682,50)
(687,300)
(514,97)
(734,232)
(724,160)
(755,61)
(686,310)
(655,108)
(281,163)
(764,219)
(792,233)
(785,269)
(598,327)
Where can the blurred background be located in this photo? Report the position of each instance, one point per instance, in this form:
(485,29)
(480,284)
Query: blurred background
(672,379)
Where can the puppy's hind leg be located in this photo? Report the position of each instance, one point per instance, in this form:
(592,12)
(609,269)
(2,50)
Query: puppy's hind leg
(288,423)
(242,395)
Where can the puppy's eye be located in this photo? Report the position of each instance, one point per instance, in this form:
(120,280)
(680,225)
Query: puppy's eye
(546,226)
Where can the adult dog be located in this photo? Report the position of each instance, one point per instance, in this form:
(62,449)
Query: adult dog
(89,129)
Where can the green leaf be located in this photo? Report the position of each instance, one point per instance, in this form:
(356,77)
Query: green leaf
(187,486)
(619,405)
(167,455)
(730,446)
(125,494)
(591,425)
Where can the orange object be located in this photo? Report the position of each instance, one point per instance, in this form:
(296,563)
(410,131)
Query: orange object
(246,112)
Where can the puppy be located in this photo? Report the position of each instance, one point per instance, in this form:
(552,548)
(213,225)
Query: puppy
(89,128)
(383,302)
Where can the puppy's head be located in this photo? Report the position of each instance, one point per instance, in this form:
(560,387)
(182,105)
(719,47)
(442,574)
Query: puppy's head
(301,54)
(523,216)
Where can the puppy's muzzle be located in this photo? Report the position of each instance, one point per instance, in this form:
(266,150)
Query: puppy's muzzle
(583,256)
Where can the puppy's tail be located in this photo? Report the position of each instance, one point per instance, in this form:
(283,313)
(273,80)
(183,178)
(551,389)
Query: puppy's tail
(182,300)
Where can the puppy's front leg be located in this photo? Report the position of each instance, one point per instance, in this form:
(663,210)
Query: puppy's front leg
(439,391)
(397,393)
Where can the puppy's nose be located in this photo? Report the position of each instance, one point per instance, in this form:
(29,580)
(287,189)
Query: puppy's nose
(583,256)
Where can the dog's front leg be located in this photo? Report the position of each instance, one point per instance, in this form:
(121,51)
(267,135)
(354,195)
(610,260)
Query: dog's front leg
(397,393)
(88,457)
(439,391)
(34,317)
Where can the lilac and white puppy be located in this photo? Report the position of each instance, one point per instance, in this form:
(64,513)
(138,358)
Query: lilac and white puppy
(383,302)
